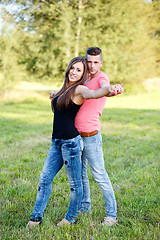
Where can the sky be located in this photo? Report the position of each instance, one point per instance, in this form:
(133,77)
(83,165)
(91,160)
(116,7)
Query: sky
(11,8)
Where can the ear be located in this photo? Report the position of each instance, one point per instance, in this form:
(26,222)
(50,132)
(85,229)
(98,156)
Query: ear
(101,63)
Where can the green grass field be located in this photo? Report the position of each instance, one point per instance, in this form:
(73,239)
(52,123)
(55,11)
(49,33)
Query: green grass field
(130,127)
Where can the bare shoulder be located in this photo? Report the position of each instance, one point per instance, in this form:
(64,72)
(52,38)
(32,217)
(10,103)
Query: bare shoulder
(77,98)
(80,89)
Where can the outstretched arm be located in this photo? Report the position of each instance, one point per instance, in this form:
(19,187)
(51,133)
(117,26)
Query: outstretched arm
(87,93)
(119,89)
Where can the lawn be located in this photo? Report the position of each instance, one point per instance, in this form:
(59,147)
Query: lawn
(130,126)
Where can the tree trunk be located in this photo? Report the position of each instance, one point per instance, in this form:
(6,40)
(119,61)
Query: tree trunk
(79,28)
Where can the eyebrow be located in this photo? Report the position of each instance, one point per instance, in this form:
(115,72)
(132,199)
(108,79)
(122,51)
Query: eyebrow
(93,61)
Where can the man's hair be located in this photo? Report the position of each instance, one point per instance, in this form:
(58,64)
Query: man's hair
(94,51)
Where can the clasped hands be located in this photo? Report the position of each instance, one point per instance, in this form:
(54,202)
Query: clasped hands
(115,90)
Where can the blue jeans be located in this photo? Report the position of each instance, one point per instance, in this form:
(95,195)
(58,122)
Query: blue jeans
(67,152)
(92,151)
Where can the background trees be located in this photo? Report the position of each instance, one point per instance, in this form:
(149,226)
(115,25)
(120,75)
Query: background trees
(47,34)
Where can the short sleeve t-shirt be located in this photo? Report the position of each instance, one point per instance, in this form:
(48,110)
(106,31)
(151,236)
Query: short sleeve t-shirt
(87,118)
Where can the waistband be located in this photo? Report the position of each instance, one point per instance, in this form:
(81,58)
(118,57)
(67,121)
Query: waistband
(88,134)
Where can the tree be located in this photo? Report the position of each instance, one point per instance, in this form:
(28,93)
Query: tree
(10,71)
(52,32)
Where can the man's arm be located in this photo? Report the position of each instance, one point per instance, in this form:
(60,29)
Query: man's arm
(52,94)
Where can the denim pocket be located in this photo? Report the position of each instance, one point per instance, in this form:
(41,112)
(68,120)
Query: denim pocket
(99,139)
(81,144)
(73,147)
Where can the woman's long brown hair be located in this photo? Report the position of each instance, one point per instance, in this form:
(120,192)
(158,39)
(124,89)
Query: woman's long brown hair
(66,93)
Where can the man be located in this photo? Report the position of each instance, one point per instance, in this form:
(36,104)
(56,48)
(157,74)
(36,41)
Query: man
(87,123)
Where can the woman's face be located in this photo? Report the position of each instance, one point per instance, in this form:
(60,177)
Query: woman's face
(76,72)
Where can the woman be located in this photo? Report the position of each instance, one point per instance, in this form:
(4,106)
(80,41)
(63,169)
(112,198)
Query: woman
(65,147)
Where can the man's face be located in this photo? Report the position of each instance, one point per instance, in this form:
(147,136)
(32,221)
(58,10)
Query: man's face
(94,64)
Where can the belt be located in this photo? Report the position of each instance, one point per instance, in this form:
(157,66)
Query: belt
(88,134)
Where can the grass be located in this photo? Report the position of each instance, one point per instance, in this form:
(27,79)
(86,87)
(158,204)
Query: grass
(130,127)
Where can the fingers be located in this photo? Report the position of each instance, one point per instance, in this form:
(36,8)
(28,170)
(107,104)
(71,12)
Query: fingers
(52,94)
(117,89)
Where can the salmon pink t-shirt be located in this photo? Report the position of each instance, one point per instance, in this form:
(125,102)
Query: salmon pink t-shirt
(87,118)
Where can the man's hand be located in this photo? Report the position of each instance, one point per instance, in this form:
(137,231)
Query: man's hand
(114,90)
(52,94)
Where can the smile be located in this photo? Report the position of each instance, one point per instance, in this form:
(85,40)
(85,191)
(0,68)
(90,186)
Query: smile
(72,76)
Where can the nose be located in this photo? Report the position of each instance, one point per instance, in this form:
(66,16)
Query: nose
(73,71)
(92,65)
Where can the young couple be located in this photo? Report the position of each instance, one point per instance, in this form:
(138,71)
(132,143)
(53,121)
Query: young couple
(76,139)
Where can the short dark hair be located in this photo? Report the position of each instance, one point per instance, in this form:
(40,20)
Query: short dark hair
(94,51)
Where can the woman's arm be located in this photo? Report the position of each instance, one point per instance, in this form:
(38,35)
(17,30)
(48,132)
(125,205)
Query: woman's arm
(87,93)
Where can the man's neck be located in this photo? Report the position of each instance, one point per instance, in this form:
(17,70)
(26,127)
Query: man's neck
(91,76)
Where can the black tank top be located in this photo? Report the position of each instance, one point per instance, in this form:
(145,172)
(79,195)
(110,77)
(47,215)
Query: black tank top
(63,123)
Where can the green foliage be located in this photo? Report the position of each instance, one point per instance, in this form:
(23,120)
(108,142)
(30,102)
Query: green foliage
(10,71)
(50,33)
(130,130)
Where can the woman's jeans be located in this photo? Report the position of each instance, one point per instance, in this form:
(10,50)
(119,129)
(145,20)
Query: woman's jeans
(67,152)
(92,151)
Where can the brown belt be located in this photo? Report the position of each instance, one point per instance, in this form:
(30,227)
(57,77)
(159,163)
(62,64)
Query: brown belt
(88,134)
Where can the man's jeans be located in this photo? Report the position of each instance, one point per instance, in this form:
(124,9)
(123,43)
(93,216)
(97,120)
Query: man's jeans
(67,152)
(92,151)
